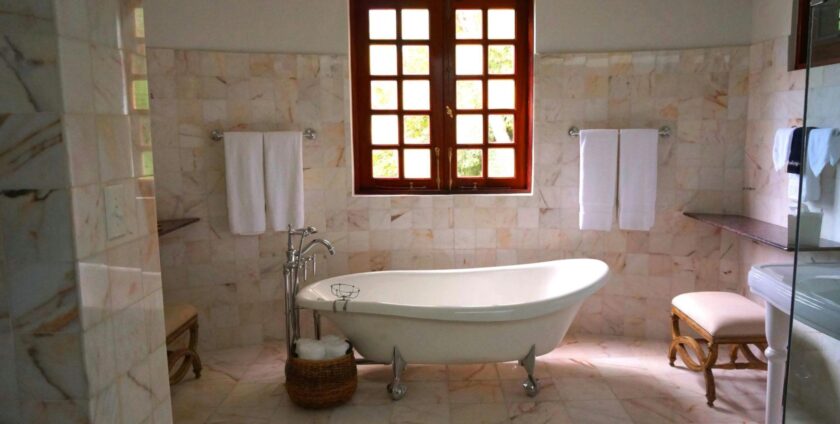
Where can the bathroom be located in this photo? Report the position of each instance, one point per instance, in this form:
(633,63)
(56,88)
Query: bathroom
(116,200)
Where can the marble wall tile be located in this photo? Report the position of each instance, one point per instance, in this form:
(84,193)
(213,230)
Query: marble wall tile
(48,366)
(29,72)
(32,152)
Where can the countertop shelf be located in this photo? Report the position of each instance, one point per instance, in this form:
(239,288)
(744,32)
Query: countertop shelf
(166,226)
(762,232)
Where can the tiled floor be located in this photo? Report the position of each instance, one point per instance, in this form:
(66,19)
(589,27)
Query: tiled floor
(587,380)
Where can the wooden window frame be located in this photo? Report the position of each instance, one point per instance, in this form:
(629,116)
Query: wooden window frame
(442,79)
(825,52)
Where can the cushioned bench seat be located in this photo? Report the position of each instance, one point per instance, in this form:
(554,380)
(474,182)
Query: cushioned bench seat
(720,318)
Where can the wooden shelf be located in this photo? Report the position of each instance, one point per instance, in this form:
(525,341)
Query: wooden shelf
(166,226)
(762,232)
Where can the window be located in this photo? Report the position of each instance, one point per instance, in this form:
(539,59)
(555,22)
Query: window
(442,96)
(825,34)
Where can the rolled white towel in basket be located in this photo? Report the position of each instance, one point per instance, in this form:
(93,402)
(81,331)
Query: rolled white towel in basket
(312,350)
(336,350)
(329,347)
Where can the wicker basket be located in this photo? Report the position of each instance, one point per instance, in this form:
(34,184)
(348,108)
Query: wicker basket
(321,384)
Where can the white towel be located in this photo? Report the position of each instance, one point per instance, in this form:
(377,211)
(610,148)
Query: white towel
(245,182)
(637,166)
(781,147)
(819,141)
(598,169)
(284,179)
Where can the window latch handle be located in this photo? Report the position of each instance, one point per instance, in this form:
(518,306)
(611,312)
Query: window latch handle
(450,169)
(449,112)
(437,165)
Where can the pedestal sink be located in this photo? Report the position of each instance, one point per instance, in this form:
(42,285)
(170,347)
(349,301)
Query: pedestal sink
(817,305)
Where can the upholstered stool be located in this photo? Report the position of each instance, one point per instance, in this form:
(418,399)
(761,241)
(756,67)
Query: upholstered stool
(180,319)
(720,318)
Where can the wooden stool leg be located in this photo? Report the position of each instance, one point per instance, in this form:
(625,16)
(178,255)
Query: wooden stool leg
(675,334)
(707,372)
(196,360)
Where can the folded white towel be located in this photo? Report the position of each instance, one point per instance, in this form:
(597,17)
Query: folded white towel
(819,143)
(781,147)
(598,169)
(284,179)
(637,166)
(245,182)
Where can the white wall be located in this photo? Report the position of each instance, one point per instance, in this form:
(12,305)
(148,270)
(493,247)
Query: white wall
(298,26)
(615,25)
(772,19)
(319,26)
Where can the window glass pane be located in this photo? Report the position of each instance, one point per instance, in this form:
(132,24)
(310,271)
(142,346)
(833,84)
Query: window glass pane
(383,95)
(385,164)
(415,24)
(469,59)
(418,163)
(469,129)
(501,24)
(140,94)
(469,162)
(500,128)
(417,129)
(383,60)
(384,129)
(500,94)
(467,24)
(416,60)
(383,24)
(469,95)
(416,95)
(500,59)
(501,163)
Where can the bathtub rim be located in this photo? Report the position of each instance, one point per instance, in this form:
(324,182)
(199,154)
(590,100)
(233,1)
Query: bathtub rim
(507,312)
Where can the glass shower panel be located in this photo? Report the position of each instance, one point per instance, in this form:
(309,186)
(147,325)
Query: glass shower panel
(813,371)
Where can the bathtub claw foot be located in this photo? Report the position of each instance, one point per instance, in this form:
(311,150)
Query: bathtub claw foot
(531,386)
(529,362)
(396,390)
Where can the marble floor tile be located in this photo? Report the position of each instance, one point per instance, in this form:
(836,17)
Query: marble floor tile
(487,391)
(597,412)
(361,414)
(566,367)
(538,413)
(623,380)
(478,413)
(407,413)
(575,388)
(294,414)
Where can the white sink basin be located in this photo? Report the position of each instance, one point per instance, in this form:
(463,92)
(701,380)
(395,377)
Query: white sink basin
(817,292)
(817,305)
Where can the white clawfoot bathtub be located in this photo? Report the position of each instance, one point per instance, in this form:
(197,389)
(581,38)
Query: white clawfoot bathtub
(459,316)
